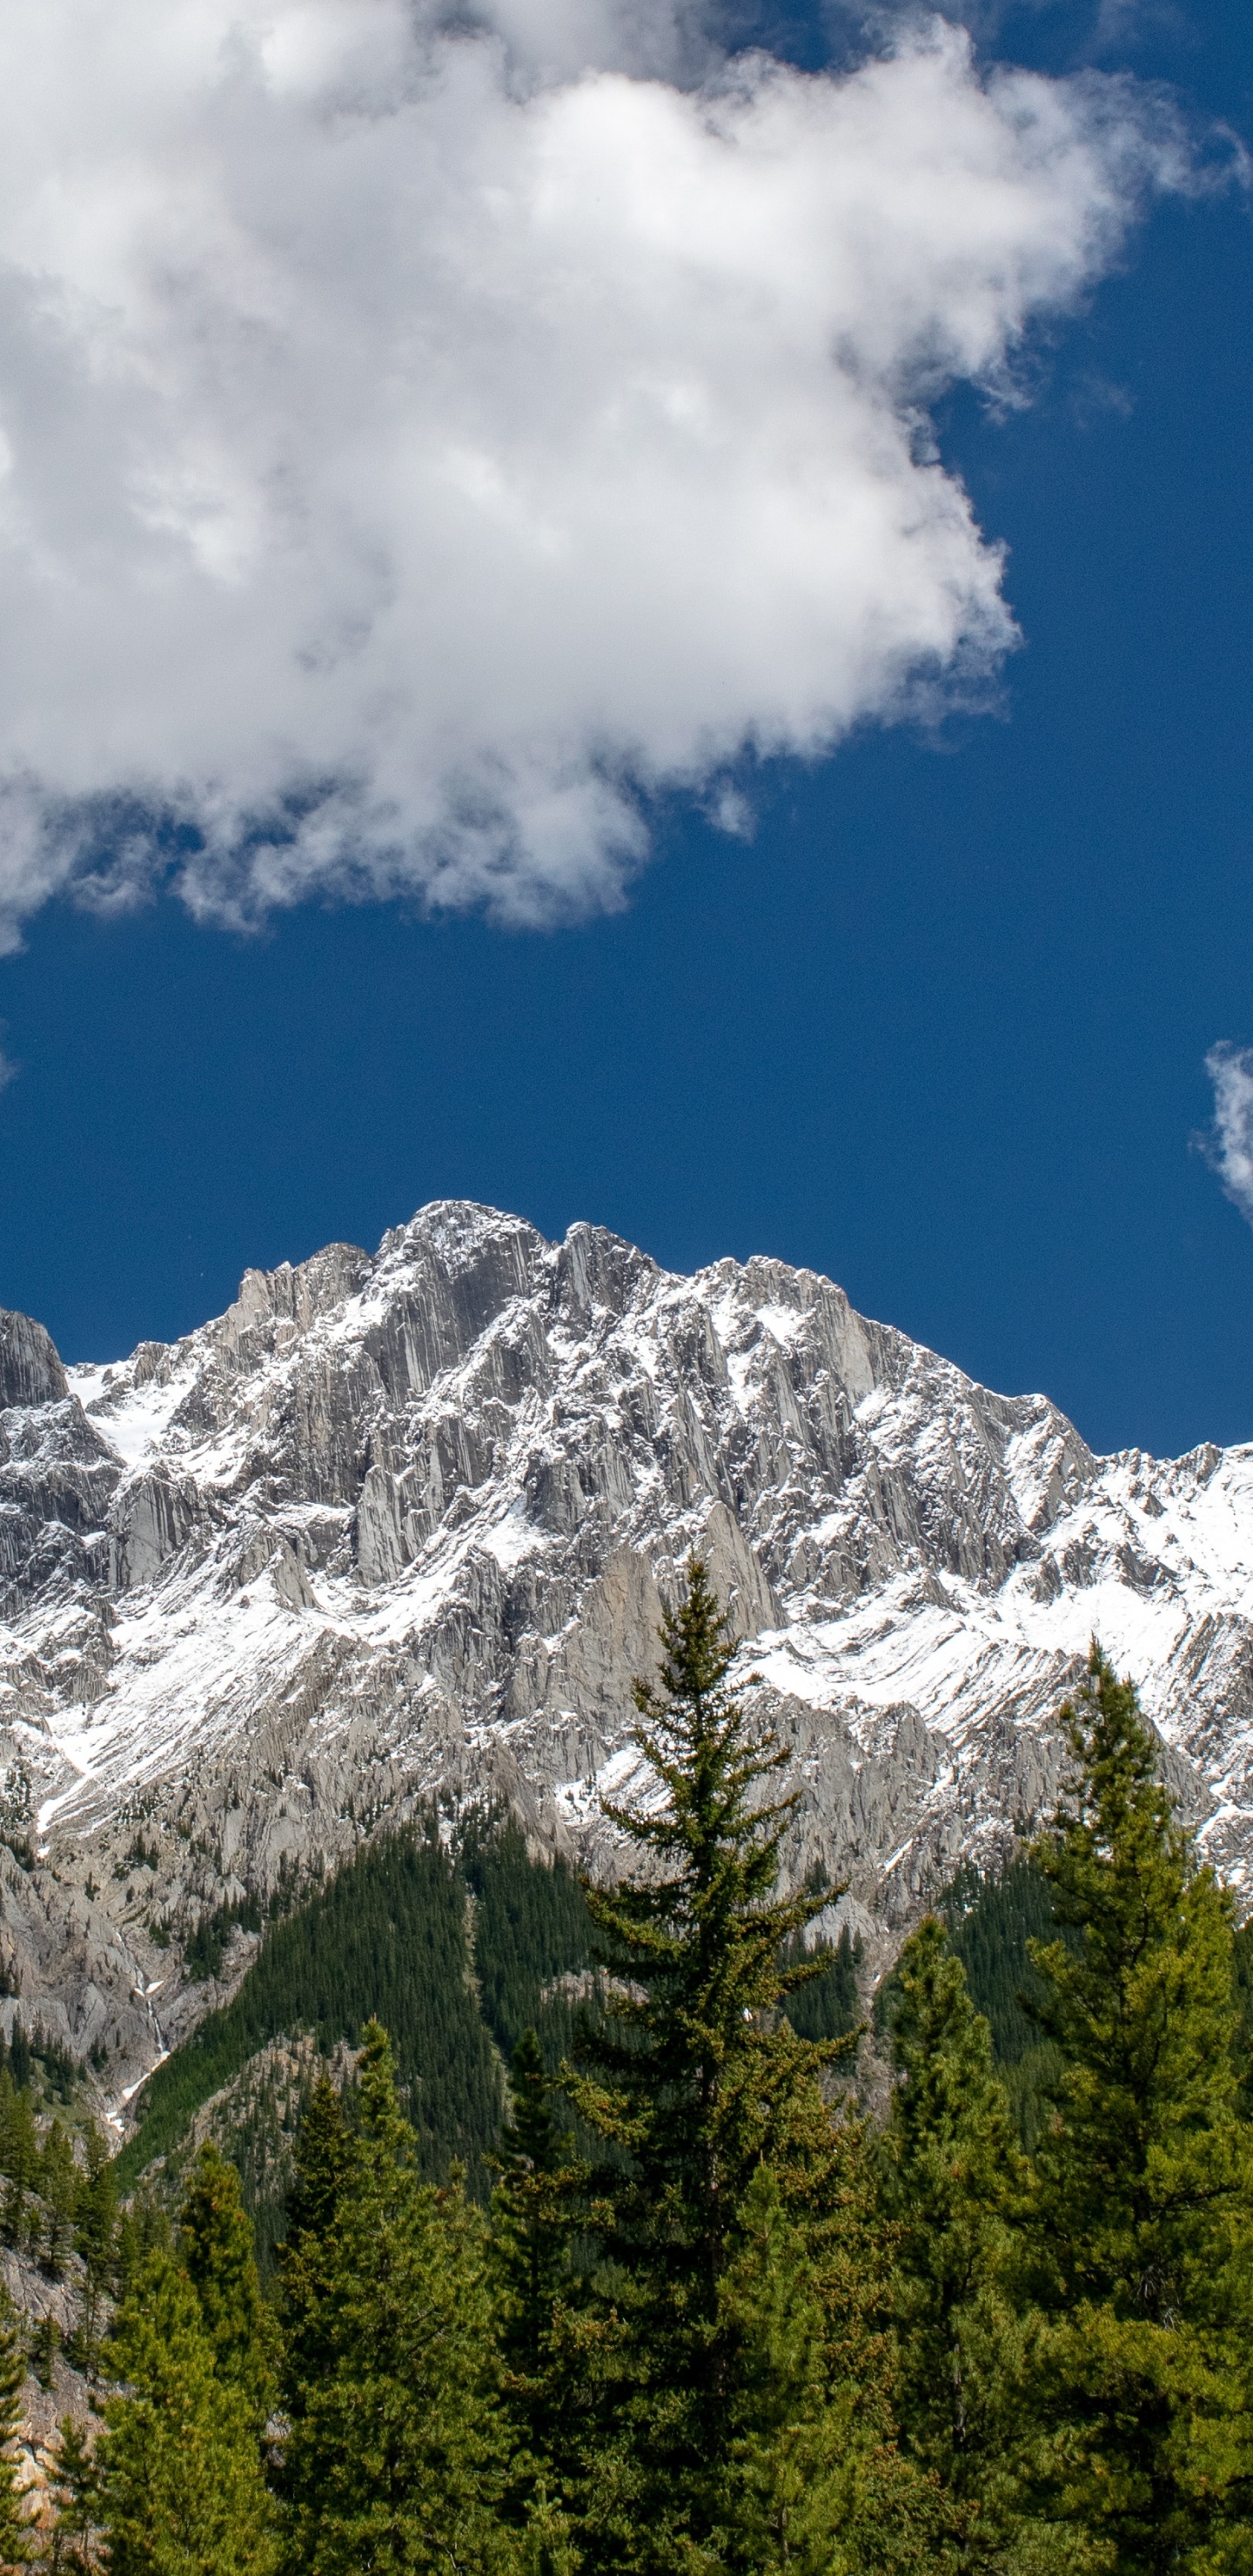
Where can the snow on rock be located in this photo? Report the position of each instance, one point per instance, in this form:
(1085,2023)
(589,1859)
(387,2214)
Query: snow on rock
(407,1523)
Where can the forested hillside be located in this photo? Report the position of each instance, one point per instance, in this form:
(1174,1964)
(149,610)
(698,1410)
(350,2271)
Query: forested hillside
(711,2318)
(457,1943)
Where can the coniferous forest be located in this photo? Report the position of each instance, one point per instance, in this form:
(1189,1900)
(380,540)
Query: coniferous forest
(687,2307)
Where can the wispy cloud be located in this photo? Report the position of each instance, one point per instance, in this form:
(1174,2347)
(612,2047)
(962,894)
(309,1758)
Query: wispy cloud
(1228,1145)
(430,432)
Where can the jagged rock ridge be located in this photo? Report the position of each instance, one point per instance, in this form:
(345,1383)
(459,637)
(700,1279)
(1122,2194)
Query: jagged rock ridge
(406,1523)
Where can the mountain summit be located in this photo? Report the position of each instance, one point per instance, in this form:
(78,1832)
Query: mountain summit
(403,1525)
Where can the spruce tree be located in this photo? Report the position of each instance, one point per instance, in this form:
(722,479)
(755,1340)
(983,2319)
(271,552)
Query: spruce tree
(58,2185)
(693,2078)
(396,2453)
(16,2544)
(143,2230)
(531,2209)
(181,2491)
(95,2240)
(955,2185)
(22,2169)
(215,2248)
(533,2217)
(309,2255)
(1143,2237)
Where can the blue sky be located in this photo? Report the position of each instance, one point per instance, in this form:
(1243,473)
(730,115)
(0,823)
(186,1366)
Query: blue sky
(936,1028)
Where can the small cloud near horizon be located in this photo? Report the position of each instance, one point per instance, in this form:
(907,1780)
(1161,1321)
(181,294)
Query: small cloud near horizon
(1228,1145)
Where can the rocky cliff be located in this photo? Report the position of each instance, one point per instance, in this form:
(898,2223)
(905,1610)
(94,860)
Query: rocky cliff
(403,1524)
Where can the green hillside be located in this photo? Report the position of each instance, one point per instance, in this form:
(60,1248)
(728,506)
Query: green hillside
(452,1947)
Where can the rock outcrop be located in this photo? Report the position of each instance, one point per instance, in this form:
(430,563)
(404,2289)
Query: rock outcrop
(402,1525)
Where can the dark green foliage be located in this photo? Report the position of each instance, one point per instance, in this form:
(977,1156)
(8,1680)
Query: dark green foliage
(992,1918)
(143,2230)
(397,2450)
(309,2253)
(15,2538)
(45,2343)
(74,2485)
(990,1921)
(38,2056)
(215,2249)
(395,1934)
(531,2214)
(96,2240)
(954,2185)
(531,1928)
(206,1947)
(181,2491)
(387,1937)
(695,2079)
(1242,1997)
(19,2160)
(1143,2218)
(828,2004)
(533,2217)
(58,2187)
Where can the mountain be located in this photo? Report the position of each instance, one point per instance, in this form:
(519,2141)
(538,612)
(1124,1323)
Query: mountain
(403,1525)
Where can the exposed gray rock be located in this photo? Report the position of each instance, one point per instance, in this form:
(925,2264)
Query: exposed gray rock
(30,1367)
(406,1523)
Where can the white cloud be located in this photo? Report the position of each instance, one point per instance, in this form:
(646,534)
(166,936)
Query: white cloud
(418,446)
(1228,1149)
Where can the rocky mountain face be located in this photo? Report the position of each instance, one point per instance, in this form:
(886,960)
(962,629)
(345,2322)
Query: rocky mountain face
(403,1525)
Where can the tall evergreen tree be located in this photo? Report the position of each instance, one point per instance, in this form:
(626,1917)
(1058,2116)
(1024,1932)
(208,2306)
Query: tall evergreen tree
(22,2167)
(215,2248)
(1144,2223)
(693,2078)
(955,2185)
(531,2210)
(309,2255)
(533,2217)
(396,2453)
(58,2186)
(16,2544)
(95,2240)
(181,2491)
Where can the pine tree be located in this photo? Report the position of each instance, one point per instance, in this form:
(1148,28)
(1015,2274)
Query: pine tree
(396,2453)
(693,2079)
(45,2344)
(1143,2234)
(22,2168)
(181,2492)
(16,2546)
(323,2164)
(95,2239)
(531,2210)
(215,2248)
(58,2186)
(74,2486)
(143,2230)
(308,2258)
(955,2184)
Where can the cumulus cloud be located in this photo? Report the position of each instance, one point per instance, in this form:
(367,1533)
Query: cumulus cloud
(421,445)
(1228,1148)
